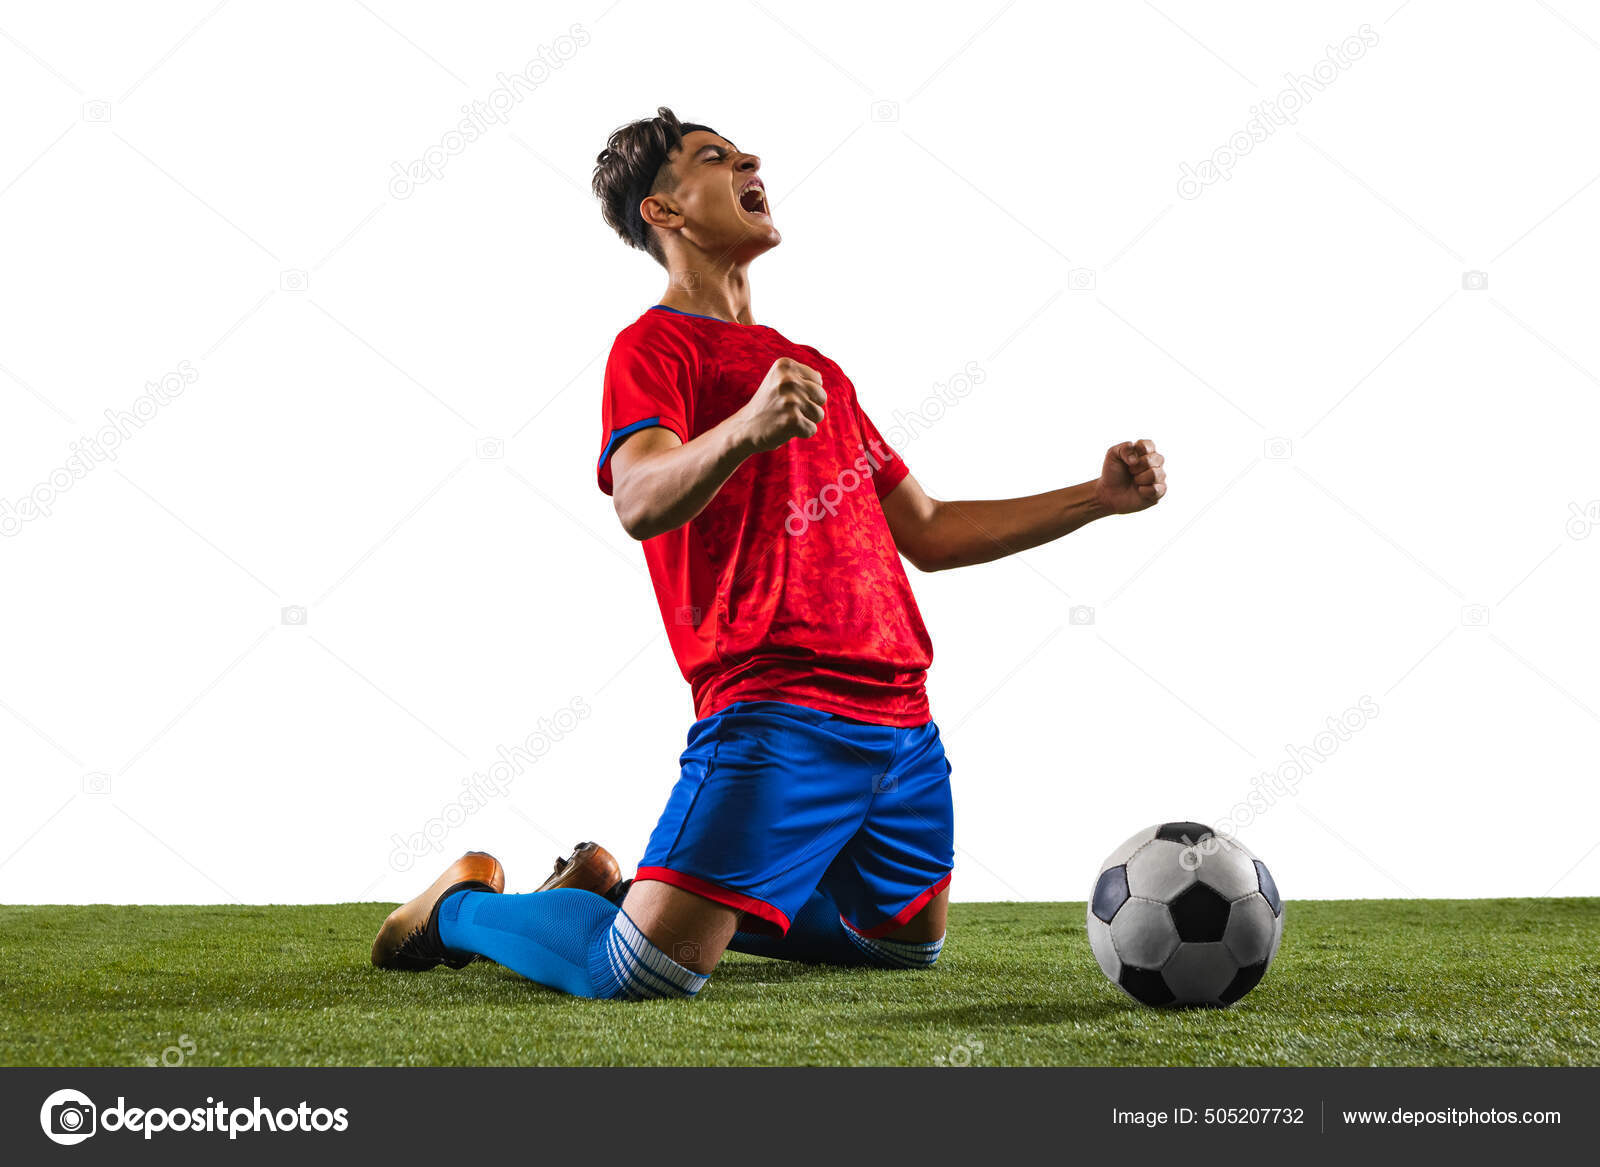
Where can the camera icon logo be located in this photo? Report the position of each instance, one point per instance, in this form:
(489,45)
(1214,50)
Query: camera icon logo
(294,614)
(98,110)
(1081,614)
(687,614)
(97,785)
(885,111)
(293,281)
(1475,281)
(68,1117)
(1277,449)
(490,449)
(1081,279)
(1475,616)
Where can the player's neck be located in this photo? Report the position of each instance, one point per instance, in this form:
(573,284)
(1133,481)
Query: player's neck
(708,291)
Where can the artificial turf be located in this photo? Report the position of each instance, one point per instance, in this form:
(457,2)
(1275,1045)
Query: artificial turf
(1397,982)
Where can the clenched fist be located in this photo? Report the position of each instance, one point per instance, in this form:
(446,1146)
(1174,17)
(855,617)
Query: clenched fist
(789,404)
(1132,478)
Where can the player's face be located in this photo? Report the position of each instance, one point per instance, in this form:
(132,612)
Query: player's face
(721,198)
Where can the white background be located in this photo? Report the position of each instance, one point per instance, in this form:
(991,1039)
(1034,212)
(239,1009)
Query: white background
(210,183)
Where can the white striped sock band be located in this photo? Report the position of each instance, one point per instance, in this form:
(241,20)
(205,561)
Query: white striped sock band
(642,971)
(897,953)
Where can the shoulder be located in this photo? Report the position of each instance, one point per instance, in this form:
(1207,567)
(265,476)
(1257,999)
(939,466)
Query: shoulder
(655,334)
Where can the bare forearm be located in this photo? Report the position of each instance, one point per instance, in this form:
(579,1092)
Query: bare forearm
(958,534)
(936,535)
(665,488)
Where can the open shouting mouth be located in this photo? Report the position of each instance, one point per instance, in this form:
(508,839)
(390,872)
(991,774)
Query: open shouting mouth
(753,198)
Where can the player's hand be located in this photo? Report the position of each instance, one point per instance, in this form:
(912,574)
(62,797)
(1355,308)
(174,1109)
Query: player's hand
(1132,478)
(789,404)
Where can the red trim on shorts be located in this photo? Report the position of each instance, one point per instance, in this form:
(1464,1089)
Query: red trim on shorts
(903,916)
(760,916)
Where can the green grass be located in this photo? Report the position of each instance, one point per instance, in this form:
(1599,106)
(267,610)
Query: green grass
(1486,982)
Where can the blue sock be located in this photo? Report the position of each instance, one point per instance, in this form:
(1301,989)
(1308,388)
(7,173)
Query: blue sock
(818,936)
(571,940)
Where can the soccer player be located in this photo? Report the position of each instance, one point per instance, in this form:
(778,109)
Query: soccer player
(812,818)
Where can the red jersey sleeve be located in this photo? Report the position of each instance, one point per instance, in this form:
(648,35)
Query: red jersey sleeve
(649,378)
(889,468)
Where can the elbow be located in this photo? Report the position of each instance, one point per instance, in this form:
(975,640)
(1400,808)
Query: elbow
(634,519)
(926,560)
(640,529)
(920,544)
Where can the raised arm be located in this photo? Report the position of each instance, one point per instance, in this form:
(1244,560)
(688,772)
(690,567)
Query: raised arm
(936,535)
(660,482)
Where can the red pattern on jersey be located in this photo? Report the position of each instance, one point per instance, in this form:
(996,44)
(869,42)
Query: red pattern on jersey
(787,587)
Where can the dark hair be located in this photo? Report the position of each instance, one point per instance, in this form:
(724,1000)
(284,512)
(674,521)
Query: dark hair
(631,168)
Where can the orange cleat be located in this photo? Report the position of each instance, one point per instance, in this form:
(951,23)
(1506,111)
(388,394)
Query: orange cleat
(409,938)
(590,867)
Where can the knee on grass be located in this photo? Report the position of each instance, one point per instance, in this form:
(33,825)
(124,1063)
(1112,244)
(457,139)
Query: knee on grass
(625,966)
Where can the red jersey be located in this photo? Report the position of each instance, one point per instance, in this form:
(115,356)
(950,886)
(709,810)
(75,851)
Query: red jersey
(788,586)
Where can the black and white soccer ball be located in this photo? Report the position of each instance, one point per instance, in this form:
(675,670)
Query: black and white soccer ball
(1181,915)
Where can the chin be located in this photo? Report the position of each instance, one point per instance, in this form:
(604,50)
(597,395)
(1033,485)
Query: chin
(752,245)
(760,230)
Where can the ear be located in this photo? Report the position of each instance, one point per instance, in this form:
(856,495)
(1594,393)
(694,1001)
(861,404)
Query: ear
(659,210)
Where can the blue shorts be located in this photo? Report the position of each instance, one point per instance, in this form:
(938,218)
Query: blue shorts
(776,800)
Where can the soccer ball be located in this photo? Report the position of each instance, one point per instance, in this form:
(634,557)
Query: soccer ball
(1181,915)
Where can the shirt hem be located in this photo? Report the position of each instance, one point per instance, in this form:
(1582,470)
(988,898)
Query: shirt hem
(917,714)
